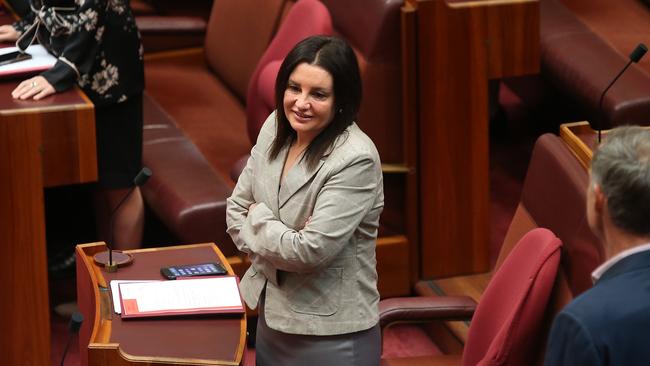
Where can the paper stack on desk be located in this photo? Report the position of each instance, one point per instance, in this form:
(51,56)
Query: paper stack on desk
(191,296)
(41,60)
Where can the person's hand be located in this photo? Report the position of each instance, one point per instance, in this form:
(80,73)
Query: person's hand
(36,87)
(8,33)
(252,206)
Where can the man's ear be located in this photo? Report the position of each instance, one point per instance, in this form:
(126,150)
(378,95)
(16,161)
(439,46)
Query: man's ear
(599,198)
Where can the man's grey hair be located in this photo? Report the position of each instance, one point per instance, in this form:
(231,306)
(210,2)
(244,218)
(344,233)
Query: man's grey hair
(621,167)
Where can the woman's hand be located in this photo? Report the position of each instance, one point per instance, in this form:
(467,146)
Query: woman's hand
(8,33)
(307,222)
(252,206)
(36,87)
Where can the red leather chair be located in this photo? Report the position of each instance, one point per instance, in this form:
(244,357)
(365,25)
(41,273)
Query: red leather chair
(186,192)
(571,86)
(306,18)
(553,196)
(507,324)
(372,29)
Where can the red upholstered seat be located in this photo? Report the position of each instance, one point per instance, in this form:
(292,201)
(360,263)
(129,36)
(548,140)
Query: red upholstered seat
(182,147)
(507,325)
(553,197)
(306,18)
(577,63)
(372,29)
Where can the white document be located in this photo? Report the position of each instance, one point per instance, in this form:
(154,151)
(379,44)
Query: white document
(41,60)
(115,291)
(213,295)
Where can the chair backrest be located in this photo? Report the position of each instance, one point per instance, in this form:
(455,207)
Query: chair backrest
(305,18)
(238,32)
(506,326)
(372,27)
(554,197)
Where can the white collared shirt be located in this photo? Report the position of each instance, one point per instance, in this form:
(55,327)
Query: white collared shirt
(598,272)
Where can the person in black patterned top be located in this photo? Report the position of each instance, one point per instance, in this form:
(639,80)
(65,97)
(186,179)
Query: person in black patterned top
(98,47)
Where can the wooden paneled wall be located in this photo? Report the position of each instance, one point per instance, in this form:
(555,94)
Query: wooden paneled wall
(452,49)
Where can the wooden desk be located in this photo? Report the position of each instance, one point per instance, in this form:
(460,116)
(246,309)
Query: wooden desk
(450,50)
(105,339)
(581,139)
(42,144)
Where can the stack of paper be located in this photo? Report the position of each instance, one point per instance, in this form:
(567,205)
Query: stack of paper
(183,297)
(41,60)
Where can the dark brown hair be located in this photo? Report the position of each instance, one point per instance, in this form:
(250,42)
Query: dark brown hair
(338,59)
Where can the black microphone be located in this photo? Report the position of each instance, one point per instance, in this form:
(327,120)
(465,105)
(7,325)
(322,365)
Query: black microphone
(138,181)
(635,56)
(73,326)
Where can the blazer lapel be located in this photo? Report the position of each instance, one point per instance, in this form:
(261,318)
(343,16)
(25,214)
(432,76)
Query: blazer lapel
(273,171)
(295,179)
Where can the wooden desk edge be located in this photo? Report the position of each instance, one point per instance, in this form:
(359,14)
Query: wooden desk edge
(480,3)
(162,360)
(86,252)
(84,104)
(82,253)
(569,133)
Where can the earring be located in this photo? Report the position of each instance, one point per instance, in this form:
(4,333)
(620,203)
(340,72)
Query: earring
(340,110)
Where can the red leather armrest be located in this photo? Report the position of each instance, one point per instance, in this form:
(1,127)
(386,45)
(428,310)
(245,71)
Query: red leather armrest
(425,308)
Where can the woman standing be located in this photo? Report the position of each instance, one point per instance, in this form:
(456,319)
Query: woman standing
(306,210)
(98,47)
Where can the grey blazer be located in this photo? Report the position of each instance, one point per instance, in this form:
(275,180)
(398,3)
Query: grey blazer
(321,279)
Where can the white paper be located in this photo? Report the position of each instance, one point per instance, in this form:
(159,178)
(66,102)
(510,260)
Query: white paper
(41,60)
(115,291)
(180,295)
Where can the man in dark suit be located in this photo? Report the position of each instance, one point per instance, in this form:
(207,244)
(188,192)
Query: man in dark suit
(609,324)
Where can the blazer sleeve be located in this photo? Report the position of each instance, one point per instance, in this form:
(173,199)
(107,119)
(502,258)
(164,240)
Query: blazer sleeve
(342,203)
(242,196)
(237,205)
(85,27)
(571,344)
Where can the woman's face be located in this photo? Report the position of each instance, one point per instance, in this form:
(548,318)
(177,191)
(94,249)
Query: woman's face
(309,101)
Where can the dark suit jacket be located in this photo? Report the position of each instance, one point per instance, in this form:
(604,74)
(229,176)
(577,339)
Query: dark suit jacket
(608,324)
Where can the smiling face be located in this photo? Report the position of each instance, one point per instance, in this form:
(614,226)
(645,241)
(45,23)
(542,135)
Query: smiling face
(309,101)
